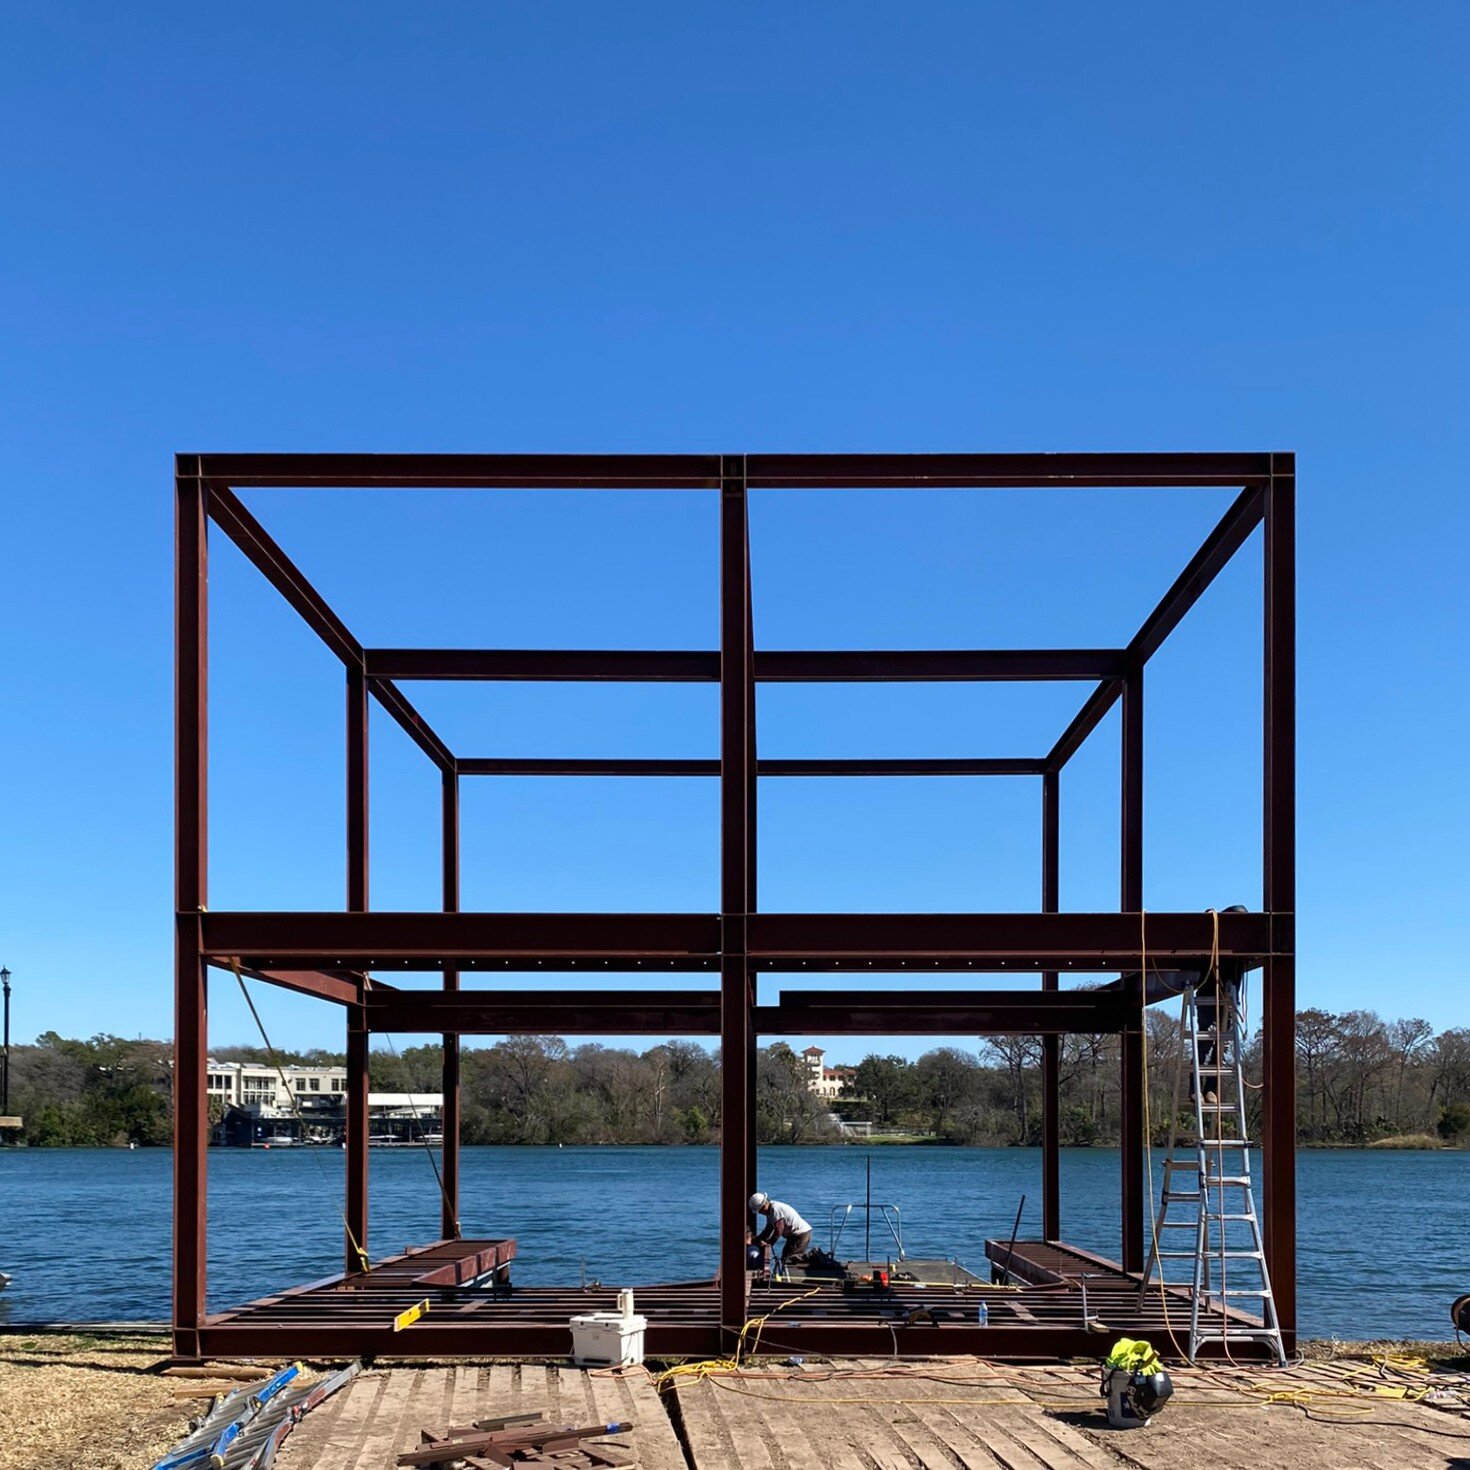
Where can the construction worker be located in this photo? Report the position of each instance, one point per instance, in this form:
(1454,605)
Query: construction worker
(782,1223)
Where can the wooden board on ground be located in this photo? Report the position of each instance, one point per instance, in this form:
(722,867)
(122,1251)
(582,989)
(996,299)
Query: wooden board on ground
(964,1414)
(381,1414)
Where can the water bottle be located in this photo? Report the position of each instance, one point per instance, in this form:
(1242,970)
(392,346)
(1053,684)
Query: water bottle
(982,1315)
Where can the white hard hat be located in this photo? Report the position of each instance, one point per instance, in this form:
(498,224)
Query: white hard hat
(759,1201)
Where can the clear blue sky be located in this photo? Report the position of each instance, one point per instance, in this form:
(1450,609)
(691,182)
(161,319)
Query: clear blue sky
(657,227)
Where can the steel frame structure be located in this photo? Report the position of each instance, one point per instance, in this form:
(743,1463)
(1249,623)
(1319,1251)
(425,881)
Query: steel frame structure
(329,955)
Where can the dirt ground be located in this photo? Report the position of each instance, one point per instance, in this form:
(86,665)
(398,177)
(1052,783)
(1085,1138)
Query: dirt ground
(74,1402)
(101,1403)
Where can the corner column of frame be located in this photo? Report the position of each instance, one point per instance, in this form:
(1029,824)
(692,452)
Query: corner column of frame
(449,1214)
(737,776)
(1133,1040)
(1051,1046)
(191,864)
(355,1210)
(1279,883)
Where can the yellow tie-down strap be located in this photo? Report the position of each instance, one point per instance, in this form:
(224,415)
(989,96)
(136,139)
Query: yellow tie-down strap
(412,1315)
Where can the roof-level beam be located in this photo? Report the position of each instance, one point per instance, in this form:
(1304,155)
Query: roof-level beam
(702,471)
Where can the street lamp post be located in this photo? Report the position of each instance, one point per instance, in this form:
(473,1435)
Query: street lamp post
(5,1076)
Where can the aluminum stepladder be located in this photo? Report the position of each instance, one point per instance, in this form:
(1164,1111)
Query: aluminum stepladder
(1211,1193)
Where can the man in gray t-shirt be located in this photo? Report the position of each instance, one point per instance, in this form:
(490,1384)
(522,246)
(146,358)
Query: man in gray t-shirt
(782,1223)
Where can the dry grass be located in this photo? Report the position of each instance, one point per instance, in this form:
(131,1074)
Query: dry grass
(94,1402)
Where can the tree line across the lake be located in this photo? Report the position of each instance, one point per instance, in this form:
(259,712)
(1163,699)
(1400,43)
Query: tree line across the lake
(1361,1081)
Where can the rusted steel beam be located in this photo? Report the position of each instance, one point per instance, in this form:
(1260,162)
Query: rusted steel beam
(621,766)
(1068,941)
(943,1013)
(543,1012)
(1228,536)
(462,941)
(1279,885)
(689,666)
(191,876)
(413,724)
(1131,1057)
(231,516)
(1051,1046)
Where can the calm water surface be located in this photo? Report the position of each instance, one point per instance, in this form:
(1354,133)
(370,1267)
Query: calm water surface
(1385,1236)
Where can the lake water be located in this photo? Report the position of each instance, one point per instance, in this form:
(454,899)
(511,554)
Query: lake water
(1384,1236)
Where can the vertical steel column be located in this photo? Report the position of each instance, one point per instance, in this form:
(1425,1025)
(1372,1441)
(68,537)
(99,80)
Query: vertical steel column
(449,1224)
(1133,1040)
(191,890)
(356,1207)
(1279,883)
(736,779)
(752,891)
(1051,1046)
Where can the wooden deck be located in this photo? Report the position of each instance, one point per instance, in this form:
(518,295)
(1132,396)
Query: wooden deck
(851,1414)
(1058,1301)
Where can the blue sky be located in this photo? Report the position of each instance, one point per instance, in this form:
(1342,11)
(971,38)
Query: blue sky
(661,227)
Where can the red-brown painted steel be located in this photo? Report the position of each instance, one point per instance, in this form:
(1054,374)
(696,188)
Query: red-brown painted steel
(355,1209)
(633,766)
(1051,1046)
(449,874)
(191,866)
(323,953)
(1131,1138)
(1279,898)
(737,777)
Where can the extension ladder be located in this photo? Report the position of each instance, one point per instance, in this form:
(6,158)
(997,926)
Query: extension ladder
(1210,1193)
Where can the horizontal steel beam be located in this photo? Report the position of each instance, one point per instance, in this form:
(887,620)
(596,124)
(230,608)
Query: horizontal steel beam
(342,989)
(547,1012)
(943,1013)
(446,1337)
(231,516)
(414,725)
(618,766)
(1087,719)
(463,941)
(774,666)
(997,942)
(775,942)
(1228,536)
(762,471)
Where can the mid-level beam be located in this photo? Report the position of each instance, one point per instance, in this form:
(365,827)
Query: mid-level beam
(776,942)
(1070,941)
(943,1013)
(702,471)
(462,941)
(623,766)
(772,666)
(547,1012)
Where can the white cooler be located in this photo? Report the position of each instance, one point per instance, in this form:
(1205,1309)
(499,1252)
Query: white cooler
(607,1340)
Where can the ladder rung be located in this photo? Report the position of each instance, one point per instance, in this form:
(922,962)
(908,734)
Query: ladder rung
(1214,1216)
(1234,1181)
(1223,1143)
(1233,1291)
(1178,1224)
